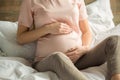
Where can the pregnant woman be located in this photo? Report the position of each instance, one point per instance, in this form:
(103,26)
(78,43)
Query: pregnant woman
(63,38)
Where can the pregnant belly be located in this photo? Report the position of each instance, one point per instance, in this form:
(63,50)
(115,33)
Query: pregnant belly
(57,43)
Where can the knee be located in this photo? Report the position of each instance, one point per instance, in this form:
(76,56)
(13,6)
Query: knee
(111,44)
(112,40)
(59,56)
(56,55)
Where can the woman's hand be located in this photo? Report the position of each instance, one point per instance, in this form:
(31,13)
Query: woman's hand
(75,53)
(58,28)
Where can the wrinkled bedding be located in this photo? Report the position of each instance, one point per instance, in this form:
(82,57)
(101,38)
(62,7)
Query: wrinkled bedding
(21,70)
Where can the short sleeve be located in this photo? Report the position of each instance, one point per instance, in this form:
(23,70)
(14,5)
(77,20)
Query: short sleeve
(25,15)
(82,10)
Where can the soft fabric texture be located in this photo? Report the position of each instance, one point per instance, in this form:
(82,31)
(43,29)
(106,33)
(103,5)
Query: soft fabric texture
(101,36)
(98,20)
(45,12)
(18,70)
(11,69)
(8,44)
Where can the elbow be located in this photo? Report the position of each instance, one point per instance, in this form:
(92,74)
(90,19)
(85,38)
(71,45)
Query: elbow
(20,40)
(89,34)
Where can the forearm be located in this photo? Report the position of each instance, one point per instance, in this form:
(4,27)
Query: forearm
(87,39)
(86,33)
(31,36)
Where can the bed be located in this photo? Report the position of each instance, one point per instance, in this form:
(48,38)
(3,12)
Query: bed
(15,59)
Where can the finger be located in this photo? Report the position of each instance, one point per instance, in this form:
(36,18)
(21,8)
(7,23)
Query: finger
(70,53)
(73,53)
(72,58)
(65,27)
(64,31)
(72,49)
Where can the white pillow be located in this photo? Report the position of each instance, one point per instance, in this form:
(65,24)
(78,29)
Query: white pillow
(21,60)
(100,16)
(9,46)
(98,20)
(101,36)
(8,43)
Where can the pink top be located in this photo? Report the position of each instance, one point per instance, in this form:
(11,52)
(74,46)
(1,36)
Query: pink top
(48,11)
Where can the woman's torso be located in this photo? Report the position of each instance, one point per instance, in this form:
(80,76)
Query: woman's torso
(48,11)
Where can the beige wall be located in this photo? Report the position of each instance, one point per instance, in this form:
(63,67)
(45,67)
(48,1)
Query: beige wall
(115,4)
(9,9)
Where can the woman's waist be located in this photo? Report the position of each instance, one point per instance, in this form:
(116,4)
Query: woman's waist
(45,50)
(60,37)
(55,41)
(58,45)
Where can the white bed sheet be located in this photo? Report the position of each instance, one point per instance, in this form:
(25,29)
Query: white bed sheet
(15,70)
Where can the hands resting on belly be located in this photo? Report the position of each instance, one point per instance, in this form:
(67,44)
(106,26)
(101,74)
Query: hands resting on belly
(75,53)
(61,28)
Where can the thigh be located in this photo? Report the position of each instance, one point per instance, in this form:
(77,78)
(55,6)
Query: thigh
(93,57)
(60,64)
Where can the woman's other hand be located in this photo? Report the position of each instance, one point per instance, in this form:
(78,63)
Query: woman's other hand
(58,28)
(75,53)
